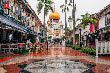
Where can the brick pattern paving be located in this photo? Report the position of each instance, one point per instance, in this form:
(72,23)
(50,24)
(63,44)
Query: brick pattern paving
(11,66)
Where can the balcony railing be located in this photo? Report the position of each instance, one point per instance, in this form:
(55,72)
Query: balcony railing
(16,23)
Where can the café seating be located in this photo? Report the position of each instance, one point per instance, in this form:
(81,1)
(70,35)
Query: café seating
(5,48)
(13,47)
(21,45)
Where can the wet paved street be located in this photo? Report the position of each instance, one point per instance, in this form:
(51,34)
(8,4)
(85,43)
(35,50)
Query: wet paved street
(57,59)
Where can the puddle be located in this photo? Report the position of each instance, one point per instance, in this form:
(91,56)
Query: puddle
(57,66)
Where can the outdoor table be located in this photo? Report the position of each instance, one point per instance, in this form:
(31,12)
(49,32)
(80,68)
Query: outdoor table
(21,45)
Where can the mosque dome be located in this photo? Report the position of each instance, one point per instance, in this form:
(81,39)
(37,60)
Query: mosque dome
(54,15)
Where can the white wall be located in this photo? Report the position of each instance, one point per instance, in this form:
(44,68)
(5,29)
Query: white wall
(102,22)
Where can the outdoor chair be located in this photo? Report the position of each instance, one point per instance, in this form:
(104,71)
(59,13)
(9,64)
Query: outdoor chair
(5,48)
(13,47)
(21,46)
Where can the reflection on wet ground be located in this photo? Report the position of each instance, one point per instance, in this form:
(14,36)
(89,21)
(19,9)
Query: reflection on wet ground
(57,65)
(57,59)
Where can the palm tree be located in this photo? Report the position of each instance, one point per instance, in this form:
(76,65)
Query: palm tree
(68,33)
(65,8)
(47,5)
(86,20)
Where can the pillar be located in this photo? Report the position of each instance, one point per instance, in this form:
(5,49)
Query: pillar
(96,40)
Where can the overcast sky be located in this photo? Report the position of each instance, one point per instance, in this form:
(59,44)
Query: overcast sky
(83,6)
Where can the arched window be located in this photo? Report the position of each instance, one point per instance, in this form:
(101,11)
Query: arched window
(108,19)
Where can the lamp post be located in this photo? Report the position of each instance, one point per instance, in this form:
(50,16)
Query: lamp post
(61,27)
(48,23)
(70,22)
(80,37)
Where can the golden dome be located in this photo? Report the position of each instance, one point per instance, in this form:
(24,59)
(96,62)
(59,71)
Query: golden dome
(54,15)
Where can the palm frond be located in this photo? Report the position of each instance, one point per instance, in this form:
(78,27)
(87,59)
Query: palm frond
(86,20)
(67,8)
(83,26)
(78,19)
(69,4)
(39,7)
(46,10)
(42,0)
(62,10)
(62,6)
(71,1)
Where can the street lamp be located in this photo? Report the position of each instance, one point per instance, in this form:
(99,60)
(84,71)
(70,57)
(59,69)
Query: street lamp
(80,37)
(48,23)
(70,22)
(61,27)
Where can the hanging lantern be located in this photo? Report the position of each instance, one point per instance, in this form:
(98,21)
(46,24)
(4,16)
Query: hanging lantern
(6,5)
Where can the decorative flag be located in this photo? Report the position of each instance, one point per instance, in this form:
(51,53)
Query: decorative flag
(91,27)
(6,5)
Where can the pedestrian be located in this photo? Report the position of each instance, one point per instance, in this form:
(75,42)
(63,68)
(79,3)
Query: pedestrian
(10,37)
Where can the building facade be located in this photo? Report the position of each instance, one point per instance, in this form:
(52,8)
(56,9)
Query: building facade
(18,19)
(100,30)
(55,26)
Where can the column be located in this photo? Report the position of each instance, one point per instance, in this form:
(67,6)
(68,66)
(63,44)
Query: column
(97,45)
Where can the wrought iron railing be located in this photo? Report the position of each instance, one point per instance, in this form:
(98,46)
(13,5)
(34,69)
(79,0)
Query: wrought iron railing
(22,25)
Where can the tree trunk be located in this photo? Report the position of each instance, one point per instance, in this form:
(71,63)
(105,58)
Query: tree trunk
(73,16)
(44,15)
(65,14)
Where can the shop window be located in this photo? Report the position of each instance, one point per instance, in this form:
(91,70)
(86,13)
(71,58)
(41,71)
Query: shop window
(4,1)
(0,1)
(108,19)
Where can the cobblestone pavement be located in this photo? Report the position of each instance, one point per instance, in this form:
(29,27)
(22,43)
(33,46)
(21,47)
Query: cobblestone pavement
(57,59)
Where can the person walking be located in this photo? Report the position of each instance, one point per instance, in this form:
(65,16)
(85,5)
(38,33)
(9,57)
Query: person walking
(10,38)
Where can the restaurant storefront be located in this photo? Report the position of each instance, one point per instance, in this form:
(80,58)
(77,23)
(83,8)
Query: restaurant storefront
(17,25)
